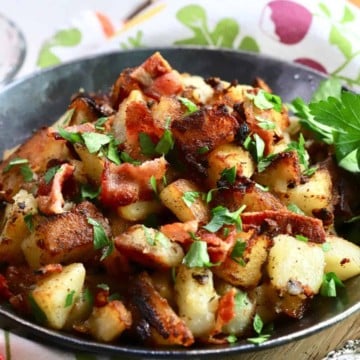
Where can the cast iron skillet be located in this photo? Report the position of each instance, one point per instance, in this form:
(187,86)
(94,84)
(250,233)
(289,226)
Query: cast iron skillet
(27,104)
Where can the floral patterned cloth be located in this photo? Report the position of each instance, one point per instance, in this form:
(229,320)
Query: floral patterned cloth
(321,34)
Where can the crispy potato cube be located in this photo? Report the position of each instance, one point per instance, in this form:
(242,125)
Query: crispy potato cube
(295,267)
(313,195)
(342,258)
(63,238)
(149,247)
(196,298)
(244,311)
(92,165)
(283,172)
(165,327)
(38,150)
(14,228)
(248,272)
(55,295)
(183,198)
(139,210)
(108,322)
(227,156)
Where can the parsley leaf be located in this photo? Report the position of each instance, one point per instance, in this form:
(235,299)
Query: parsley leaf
(329,284)
(88,192)
(166,143)
(69,298)
(264,100)
(14,162)
(302,238)
(190,106)
(222,216)
(265,123)
(229,174)
(258,326)
(237,252)
(28,219)
(256,146)
(50,173)
(203,150)
(197,256)
(112,152)
(231,339)
(189,197)
(94,141)
(295,209)
(100,239)
(99,124)
(334,117)
(72,137)
(26,173)
(146,144)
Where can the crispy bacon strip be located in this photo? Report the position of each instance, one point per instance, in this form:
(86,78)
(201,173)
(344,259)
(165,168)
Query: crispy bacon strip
(180,232)
(285,222)
(158,313)
(53,202)
(225,313)
(126,183)
(217,247)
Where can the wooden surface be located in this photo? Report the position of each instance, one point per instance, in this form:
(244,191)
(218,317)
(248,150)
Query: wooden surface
(314,347)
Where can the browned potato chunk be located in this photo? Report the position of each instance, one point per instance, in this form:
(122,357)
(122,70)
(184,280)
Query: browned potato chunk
(149,247)
(63,238)
(38,150)
(108,322)
(227,156)
(246,272)
(184,199)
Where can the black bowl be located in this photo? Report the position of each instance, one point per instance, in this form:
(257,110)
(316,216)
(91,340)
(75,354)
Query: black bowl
(27,104)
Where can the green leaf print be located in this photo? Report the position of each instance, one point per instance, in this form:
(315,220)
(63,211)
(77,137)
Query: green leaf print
(325,10)
(133,41)
(338,39)
(249,44)
(67,38)
(225,33)
(348,15)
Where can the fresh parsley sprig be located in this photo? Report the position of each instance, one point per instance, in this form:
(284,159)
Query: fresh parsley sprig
(334,117)
(222,216)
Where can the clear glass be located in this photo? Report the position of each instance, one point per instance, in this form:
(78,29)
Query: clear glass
(12,49)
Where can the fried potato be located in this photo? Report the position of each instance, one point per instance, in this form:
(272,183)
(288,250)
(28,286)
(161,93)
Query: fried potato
(55,295)
(295,267)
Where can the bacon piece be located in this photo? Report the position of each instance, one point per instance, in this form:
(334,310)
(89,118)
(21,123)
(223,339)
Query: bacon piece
(156,77)
(180,232)
(208,127)
(157,312)
(53,202)
(127,183)
(217,247)
(225,313)
(49,269)
(285,222)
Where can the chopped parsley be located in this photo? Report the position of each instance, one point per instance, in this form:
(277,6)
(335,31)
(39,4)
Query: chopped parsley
(50,173)
(265,123)
(197,256)
(329,284)
(69,300)
(265,101)
(203,150)
(295,209)
(302,238)
(100,239)
(222,216)
(190,106)
(99,124)
(190,197)
(25,169)
(326,246)
(334,117)
(229,174)
(258,326)
(88,192)
(237,252)
(153,184)
(28,219)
